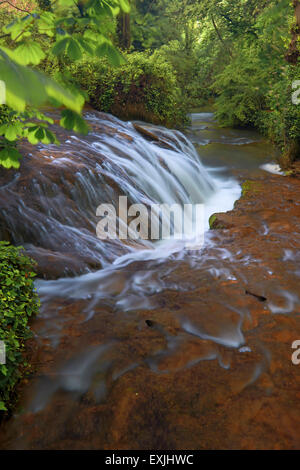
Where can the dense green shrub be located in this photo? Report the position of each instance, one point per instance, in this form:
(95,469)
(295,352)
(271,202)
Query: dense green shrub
(280,122)
(254,85)
(241,89)
(145,88)
(187,71)
(253,91)
(18,302)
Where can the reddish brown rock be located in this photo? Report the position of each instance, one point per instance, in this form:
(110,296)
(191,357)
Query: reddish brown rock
(167,384)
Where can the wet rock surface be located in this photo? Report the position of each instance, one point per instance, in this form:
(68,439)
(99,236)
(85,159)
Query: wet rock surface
(206,368)
(49,204)
(187,351)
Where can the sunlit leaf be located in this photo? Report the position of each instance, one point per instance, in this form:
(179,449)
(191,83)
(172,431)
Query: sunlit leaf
(29,52)
(27,86)
(125,5)
(46,23)
(106,49)
(66,3)
(2,406)
(73,121)
(9,158)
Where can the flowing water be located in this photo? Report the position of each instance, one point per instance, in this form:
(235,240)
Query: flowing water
(122,314)
(149,174)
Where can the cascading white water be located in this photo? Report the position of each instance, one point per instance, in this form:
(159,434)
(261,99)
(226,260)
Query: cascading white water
(147,172)
(50,206)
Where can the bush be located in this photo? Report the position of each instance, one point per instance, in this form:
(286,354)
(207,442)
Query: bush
(281,121)
(18,302)
(241,88)
(185,66)
(143,88)
(261,97)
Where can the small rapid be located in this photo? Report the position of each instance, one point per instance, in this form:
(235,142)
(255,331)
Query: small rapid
(163,168)
(50,205)
(138,339)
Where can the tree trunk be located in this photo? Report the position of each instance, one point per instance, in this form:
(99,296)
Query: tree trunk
(123,30)
(293,52)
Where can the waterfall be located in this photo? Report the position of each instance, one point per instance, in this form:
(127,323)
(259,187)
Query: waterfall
(50,205)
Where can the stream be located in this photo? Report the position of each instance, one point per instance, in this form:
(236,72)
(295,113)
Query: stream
(147,344)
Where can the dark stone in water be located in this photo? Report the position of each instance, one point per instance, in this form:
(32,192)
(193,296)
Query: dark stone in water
(261,298)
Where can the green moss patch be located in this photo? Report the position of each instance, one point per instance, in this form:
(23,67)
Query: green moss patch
(212,220)
(249,187)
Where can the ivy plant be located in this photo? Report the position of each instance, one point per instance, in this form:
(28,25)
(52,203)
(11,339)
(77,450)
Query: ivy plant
(18,303)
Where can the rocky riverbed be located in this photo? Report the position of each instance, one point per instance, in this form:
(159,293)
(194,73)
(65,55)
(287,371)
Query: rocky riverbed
(203,361)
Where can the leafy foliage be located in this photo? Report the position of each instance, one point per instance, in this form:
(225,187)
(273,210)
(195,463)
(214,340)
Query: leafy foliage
(246,70)
(232,51)
(68,31)
(145,87)
(18,303)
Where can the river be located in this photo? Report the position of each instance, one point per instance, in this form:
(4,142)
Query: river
(143,344)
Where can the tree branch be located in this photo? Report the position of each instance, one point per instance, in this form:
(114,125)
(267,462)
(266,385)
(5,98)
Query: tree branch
(14,6)
(220,36)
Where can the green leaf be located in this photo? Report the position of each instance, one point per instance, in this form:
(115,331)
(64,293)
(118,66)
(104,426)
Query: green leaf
(9,158)
(35,134)
(27,86)
(103,9)
(60,46)
(13,130)
(40,134)
(74,50)
(86,45)
(11,134)
(2,406)
(106,49)
(29,52)
(14,28)
(46,136)
(125,5)
(66,3)
(50,138)
(46,23)
(69,46)
(72,121)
